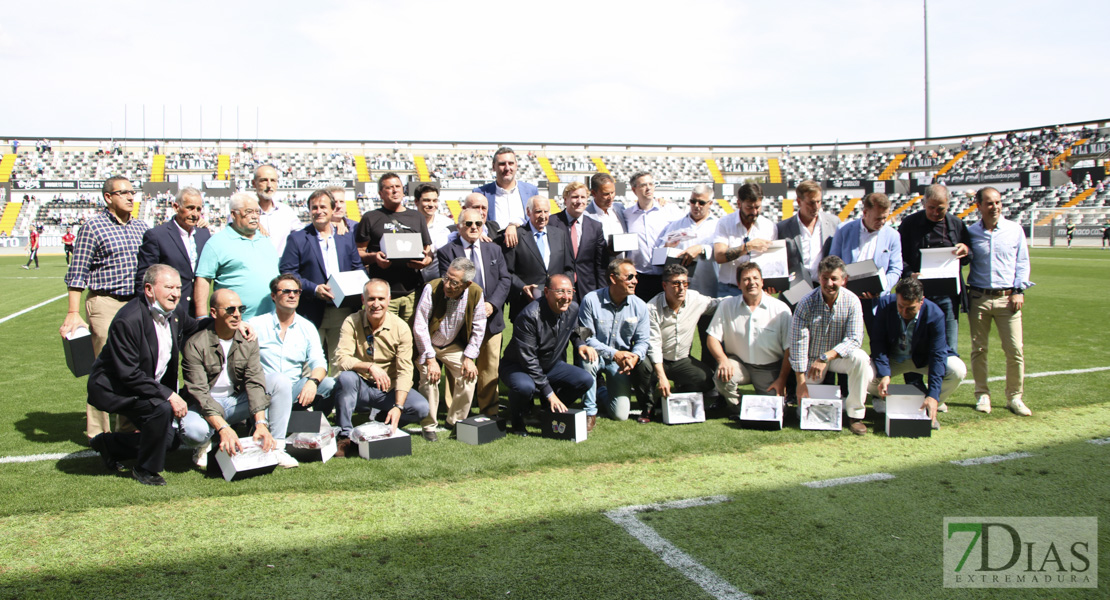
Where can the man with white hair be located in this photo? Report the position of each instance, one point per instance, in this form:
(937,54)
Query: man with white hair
(239,258)
(178,242)
(275,219)
(695,231)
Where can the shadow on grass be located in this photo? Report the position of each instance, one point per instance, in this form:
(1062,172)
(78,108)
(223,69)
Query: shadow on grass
(51,427)
(881,539)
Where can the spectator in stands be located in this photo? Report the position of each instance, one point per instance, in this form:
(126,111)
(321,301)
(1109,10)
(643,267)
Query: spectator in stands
(870,238)
(826,333)
(178,243)
(673,314)
(440,227)
(405,277)
(610,213)
(621,333)
(647,218)
(740,236)
(67,243)
(225,384)
(316,253)
(375,361)
(104,260)
(587,240)
(492,276)
(450,325)
(277,220)
(535,359)
(808,233)
(542,251)
(910,337)
(935,227)
(997,280)
(507,197)
(239,258)
(749,338)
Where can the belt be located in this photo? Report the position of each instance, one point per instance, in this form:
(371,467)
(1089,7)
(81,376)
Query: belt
(1001,292)
(119,297)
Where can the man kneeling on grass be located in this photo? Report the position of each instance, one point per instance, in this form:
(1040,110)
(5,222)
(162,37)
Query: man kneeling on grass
(225,384)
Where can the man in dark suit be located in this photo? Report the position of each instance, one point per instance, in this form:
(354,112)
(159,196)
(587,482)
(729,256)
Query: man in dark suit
(315,253)
(506,196)
(809,233)
(587,240)
(935,227)
(541,251)
(493,277)
(604,206)
(176,243)
(135,375)
(910,338)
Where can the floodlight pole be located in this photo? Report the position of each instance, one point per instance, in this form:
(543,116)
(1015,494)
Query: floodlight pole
(925,19)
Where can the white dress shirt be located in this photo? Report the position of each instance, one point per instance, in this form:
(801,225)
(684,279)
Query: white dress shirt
(755,337)
(731,232)
(508,206)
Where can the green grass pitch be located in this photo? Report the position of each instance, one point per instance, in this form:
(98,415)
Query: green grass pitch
(524,518)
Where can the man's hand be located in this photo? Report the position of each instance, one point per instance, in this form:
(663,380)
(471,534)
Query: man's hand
(180,409)
(725,371)
(263,437)
(469,369)
(1016,302)
(431,371)
(587,353)
(510,235)
(770,291)
(247,331)
(308,393)
(393,419)
(961,250)
(229,442)
(691,254)
(530,290)
(884,386)
(664,386)
(758,245)
(340,227)
(868,296)
(802,391)
(72,321)
(485,238)
(379,376)
(323,292)
(816,372)
(202,223)
(556,404)
(930,406)
(489,308)
(380,260)
(420,264)
(778,386)
(626,360)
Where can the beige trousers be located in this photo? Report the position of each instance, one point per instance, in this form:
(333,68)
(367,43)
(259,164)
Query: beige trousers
(458,400)
(329,334)
(100,310)
(996,309)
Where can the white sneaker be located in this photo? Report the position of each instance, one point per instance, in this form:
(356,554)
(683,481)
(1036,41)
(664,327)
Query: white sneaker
(25,267)
(942,407)
(286,461)
(1018,407)
(984,404)
(200,455)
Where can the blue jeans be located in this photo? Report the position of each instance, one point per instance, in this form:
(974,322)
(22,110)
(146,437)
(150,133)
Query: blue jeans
(616,397)
(567,381)
(951,323)
(323,403)
(195,429)
(353,393)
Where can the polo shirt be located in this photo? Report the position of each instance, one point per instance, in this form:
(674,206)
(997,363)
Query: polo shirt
(245,265)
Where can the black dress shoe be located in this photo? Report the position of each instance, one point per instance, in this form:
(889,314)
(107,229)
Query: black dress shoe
(109,461)
(430,436)
(146,477)
(517,427)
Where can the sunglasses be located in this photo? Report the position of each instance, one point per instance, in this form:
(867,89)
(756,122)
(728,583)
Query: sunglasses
(699,202)
(370,346)
(629,277)
(473,223)
(291,292)
(679,283)
(233,309)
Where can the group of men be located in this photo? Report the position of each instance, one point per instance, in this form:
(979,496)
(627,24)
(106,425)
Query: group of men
(254,319)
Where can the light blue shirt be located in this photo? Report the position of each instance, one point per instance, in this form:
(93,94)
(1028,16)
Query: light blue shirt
(999,257)
(288,357)
(626,326)
(245,265)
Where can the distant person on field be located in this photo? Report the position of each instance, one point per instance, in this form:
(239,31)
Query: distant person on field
(33,247)
(67,243)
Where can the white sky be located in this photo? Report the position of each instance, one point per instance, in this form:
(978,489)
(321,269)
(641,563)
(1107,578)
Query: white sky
(687,72)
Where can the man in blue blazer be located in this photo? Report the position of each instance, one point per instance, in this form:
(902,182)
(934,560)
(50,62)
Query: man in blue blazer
(909,337)
(869,237)
(604,206)
(176,243)
(304,255)
(493,277)
(507,197)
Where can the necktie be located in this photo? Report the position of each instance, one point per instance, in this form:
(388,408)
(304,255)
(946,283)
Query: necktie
(477,267)
(541,243)
(574,238)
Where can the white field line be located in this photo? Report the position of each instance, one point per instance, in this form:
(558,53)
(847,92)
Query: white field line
(27,310)
(986,460)
(1100,442)
(677,559)
(846,480)
(1043,374)
(37,457)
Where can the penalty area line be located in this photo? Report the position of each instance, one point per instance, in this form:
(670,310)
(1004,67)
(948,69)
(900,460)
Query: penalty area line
(986,460)
(40,457)
(670,554)
(846,480)
(27,310)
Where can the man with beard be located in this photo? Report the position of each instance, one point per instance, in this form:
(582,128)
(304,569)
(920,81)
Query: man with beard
(740,236)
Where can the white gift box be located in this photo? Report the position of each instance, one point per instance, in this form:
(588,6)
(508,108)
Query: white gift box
(940,272)
(687,407)
(250,462)
(398,443)
(623,242)
(822,409)
(761,412)
(347,284)
(904,415)
(864,276)
(79,351)
(570,425)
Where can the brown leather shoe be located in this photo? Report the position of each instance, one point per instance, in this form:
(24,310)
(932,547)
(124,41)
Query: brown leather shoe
(342,446)
(857,427)
(591,420)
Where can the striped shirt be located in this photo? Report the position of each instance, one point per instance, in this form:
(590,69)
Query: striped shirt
(106,254)
(449,326)
(816,328)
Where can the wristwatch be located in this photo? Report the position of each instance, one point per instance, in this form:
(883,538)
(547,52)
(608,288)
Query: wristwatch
(314,380)
(822,359)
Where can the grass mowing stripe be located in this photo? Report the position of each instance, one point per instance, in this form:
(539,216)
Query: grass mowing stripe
(846,480)
(27,310)
(670,554)
(986,460)
(54,456)
(1100,442)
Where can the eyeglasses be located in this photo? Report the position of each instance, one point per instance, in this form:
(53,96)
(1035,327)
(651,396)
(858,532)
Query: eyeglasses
(680,284)
(289,292)
(699,202)
(453,282)
(122,193)
(233,309)
(248,212)
(473,223)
